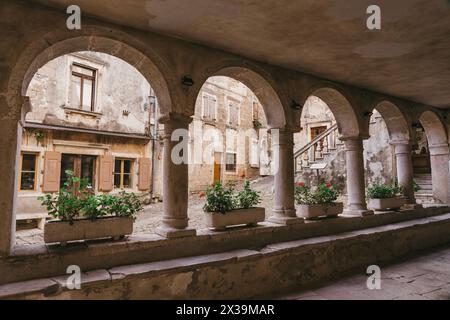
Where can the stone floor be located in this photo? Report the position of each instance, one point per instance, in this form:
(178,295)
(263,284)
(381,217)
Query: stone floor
(423,278)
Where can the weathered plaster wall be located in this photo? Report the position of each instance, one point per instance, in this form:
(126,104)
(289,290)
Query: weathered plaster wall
(119,87)
(379,157)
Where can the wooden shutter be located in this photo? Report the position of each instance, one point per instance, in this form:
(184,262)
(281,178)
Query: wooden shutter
(144,174)
(106,177)
(52,171)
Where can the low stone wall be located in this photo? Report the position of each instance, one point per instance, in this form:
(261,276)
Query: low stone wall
(248,273)
(40,261)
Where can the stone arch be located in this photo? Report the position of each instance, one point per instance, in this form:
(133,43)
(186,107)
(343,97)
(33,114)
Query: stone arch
(257,80)
(396,123)
(92,38)
(439,154)
(343,112)
(434,128)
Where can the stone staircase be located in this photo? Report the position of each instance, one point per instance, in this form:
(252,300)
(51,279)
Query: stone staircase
(425,194)
(319,150)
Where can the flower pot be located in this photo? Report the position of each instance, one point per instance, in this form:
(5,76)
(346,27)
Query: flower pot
(250,217)
(387,203)
(309,211)
(85,229)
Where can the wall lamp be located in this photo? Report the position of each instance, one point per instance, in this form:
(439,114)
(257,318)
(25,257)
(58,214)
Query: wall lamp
(295,105)
(187,81)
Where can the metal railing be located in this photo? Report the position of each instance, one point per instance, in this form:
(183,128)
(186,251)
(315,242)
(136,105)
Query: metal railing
(316,148)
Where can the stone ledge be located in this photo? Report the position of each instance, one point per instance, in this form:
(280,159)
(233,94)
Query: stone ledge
(247,273)
(46,261)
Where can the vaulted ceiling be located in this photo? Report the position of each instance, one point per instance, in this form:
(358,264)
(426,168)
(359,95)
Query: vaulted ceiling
(409,57)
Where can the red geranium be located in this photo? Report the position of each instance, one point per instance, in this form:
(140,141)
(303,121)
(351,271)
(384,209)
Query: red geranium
(300,184)
(328,185)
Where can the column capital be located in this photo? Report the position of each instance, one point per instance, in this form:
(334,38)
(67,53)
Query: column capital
(175,118)
(282,137)
(353,144)
(358,137)
(438,149)
(401,147)
(14,107)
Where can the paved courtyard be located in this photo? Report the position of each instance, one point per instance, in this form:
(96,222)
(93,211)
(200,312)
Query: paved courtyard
(150,218)
(423,278)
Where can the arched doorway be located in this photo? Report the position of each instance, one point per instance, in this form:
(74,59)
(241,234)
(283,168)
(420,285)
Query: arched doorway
(435,148)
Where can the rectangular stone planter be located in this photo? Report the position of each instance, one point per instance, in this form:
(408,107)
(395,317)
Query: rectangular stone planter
(386,204)
(309,211)
(250,217)
(85,229)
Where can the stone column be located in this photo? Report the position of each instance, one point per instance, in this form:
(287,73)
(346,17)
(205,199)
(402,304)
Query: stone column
(10,140)
(283,156)
(175,177)
(439,157)
(405,174)
(355,177)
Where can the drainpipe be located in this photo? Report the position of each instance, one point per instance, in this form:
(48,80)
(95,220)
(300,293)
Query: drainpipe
(153,137)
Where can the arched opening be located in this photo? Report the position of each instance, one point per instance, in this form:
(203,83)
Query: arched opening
(94,115)
(318,143)
(387,127)
(320,156)
(230,142)
(430,159)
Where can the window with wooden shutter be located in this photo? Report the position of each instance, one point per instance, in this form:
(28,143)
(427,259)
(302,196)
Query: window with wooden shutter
(52,171)
(106,173)
(144,174)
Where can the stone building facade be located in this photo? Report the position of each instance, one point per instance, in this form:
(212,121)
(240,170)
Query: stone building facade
(229,136)
(96,115)
(90,113)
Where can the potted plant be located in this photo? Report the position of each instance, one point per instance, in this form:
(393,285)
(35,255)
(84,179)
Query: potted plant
(383,197)
(225,208)
(81,215)
(321,202)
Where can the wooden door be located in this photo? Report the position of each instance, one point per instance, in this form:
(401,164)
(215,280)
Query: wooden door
(217,168)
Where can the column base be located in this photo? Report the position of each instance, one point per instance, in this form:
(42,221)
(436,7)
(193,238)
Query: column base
(358,213)
(169,232)
(286,220)
(412,206)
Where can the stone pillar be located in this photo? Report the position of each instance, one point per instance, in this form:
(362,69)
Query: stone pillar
(405,174)
(439,157)
(355,177)
(175,177)
(10,140)
(283,156)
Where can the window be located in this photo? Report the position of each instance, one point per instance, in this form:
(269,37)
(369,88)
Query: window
(230,164)
(209,107)
(122,173)
(254,156)
(82,89)
(233,113)
(28,172)
(81,165)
